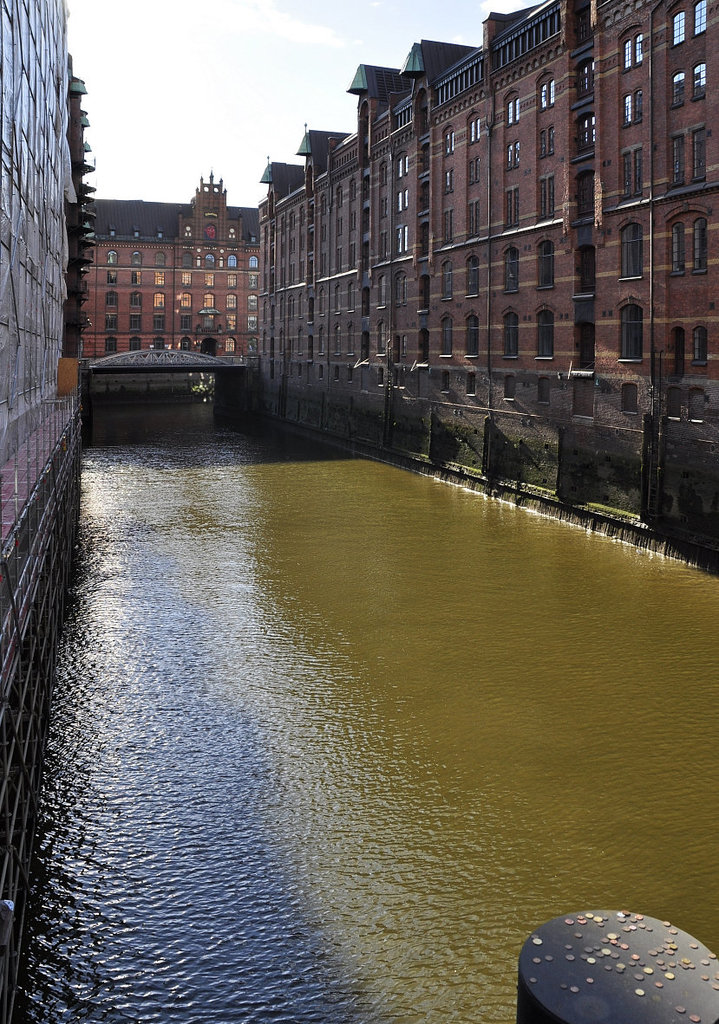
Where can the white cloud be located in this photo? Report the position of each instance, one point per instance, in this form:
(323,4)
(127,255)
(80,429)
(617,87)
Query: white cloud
(266,17)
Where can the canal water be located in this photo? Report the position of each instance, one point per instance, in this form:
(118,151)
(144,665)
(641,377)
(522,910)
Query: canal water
(330,740)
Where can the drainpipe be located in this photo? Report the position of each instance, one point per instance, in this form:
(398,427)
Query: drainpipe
(490,126)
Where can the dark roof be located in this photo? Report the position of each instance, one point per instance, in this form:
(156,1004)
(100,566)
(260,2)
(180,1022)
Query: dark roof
(284,178)
(317,145)
(379,83)
(512,20)
(125,217)
(440,56)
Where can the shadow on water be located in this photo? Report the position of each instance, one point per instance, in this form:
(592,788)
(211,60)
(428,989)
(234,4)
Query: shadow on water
(160,893)
(191,425)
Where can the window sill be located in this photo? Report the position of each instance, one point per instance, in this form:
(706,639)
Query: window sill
(627,360)
(445,355)
(543,359)
(510,357)
(699,362)
(632,277)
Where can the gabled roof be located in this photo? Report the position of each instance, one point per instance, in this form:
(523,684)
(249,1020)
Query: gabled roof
(284,178)
(379,83)
(317,144)
(434,58)
(135,218)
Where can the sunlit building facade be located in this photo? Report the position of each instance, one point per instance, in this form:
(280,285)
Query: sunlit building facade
(174,276)
(515,241)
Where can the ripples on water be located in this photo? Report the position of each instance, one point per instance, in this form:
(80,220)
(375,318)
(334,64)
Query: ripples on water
(330,740)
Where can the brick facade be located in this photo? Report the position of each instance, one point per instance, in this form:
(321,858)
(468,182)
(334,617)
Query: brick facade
(174,276)
(517,242)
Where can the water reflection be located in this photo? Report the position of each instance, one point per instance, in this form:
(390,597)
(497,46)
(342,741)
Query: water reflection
(331,739)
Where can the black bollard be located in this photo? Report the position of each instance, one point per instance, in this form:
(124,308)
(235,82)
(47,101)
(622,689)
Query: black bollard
(614,967)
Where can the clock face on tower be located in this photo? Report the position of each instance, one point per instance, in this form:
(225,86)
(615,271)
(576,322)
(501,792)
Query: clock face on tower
(210,231)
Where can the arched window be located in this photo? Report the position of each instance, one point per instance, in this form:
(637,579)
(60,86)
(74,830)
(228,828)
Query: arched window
(546,94)
(424,290)
(700,244)
(208,300)
(231,302)
(700,345)
(678,251)
(678,88)
(111,299)
(232,261)
(158,300)
(545,265)
(112,258)
(700,17)
(472,335)
(632,318)
(253,263)
(545,334)
(473,275)
(447,280)
(186,300)
(160,259)
(699,81)
(447,336)
(511,335)
(350,295)
(511,269)
(338,299)
(338,340)
(135,300)
(187,259)
(209,260)
(512,109)
(136,259)
(632,250)
(401,289)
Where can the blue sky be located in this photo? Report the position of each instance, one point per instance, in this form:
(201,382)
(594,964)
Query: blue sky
(177,88)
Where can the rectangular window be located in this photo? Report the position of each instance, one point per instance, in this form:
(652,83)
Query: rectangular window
(678,160)
(699,154)
(185,321)
(111,321)
(512,207)
(638,183)
(158,322)
(135,277)
(473,218)
(159,278)
(112,277)
(546,196)
(251,323)
(448,225)
(186,278)
(135,321)
(700,81)
(627,174)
